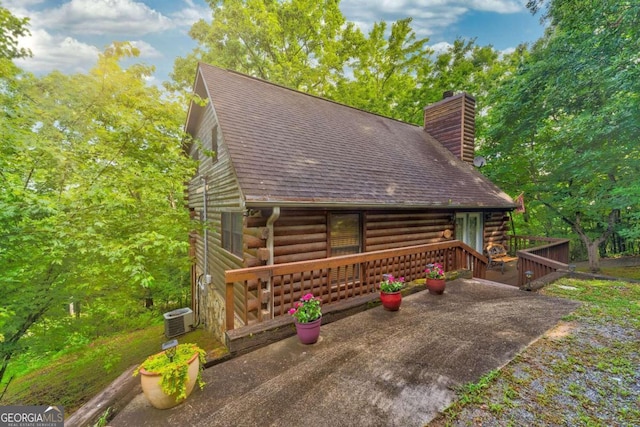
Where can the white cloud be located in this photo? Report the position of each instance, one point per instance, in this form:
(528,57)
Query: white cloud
(498,6)
(187,16)
(65,54)
(429,16)
(104,17)
(146,50)
(441,47)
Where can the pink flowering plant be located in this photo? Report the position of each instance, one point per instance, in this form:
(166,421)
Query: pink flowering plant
(391,284)
(434,271)
(307,309)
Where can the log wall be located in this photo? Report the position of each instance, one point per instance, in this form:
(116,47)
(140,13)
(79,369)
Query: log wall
(496,229)
(389,230)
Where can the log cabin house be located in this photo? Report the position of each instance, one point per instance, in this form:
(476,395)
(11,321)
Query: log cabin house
(286,178)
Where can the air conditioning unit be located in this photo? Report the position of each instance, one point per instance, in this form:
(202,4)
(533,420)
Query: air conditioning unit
(178,322)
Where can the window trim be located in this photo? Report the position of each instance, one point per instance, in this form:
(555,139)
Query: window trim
(232,238)
(330,217)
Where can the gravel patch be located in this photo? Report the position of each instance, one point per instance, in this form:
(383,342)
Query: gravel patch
(582,373)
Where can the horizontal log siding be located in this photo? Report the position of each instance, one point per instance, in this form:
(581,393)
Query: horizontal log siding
(388,230)
(496,229)
(223,194)
(300,236)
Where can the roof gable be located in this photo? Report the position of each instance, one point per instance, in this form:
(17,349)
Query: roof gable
(288,147)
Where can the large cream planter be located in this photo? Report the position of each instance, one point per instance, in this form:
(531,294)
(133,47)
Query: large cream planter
(150,382)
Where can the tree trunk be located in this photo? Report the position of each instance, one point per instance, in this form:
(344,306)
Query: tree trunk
(594,256)
(593,245)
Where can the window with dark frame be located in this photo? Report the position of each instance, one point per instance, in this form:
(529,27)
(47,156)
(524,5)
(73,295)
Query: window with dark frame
(344,234)
(345,237)
(232,233)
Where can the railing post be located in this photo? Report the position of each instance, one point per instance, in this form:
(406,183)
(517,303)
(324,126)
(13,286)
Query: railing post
(229,306)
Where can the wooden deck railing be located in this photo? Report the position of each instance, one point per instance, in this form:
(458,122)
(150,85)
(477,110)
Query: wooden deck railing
(259,293)
(539,255)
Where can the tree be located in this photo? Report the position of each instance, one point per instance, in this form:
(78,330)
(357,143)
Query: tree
(302,44)
(11,28)
(565,127)
(384,70)
(91,189)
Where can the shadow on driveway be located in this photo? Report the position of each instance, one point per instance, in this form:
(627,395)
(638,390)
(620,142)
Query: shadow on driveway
(376,368)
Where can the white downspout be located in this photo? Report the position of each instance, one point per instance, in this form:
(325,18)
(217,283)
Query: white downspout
(272,219)
(204,285)
(275,214)
(206,234)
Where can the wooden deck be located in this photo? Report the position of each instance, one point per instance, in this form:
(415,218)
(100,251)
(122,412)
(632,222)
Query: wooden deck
(262,293)
(257,294)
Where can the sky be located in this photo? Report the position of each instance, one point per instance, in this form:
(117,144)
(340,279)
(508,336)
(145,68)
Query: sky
(68,35)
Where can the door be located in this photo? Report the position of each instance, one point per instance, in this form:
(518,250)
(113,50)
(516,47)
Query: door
(469,229)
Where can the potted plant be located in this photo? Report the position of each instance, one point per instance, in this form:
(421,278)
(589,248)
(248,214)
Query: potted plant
(435,279)
(390,295)
(307,318)
(168,377)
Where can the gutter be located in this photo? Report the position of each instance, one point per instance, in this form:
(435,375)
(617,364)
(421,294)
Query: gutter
(356,205)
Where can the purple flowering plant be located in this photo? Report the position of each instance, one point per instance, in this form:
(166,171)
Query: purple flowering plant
(391,284)
(307,309)
(434,271)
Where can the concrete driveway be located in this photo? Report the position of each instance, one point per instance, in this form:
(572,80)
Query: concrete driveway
(375,368)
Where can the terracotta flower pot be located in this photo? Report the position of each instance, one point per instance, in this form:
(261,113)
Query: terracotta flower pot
(150,382)
(436,286)
(308,333)
(391,300)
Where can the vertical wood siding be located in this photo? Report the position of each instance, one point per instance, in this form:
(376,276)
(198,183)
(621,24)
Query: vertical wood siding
(223,194)
(452,122)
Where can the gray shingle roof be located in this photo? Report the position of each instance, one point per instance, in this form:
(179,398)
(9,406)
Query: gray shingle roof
(288,147)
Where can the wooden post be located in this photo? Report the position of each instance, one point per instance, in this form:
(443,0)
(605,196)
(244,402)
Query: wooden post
(229,306)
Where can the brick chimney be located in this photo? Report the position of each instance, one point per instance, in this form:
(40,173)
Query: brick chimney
(452,122)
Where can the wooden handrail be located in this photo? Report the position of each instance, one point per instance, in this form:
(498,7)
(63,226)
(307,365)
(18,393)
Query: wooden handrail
(365,269)
(542,260)
(316,264)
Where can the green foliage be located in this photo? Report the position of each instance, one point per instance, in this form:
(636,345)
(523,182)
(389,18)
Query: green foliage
(91,211)
(391,284)
(464,66)
(307,309)
(302,44)
(71,379)
(564,128)
(11,28)
(385,65)
(605,301)
(434,271)
(473,392)
(309,46)
(174,370)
